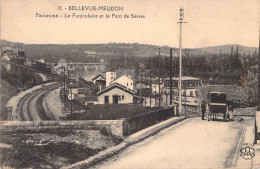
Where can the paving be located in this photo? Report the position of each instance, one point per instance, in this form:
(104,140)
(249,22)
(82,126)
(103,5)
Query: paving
(54,103)
(134,138)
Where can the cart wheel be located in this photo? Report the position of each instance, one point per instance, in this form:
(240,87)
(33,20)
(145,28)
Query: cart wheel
(208,115)
(226,114)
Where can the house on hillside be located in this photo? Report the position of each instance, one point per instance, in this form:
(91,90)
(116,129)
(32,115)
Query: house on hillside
(115,94)
(13,55)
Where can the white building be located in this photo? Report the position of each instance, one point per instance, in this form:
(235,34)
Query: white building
(110,76)
(125,81)
(189,92)
(6,57)
(115,94)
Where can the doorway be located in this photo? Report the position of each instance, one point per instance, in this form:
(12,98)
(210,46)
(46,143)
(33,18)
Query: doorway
(115,99)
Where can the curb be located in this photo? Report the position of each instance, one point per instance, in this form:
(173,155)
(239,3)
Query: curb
(132,139)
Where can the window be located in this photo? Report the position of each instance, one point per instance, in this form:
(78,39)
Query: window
(106,99)
(90,103)
(196,92)
(123,97)
(126,84)
(184,93)
(191,93)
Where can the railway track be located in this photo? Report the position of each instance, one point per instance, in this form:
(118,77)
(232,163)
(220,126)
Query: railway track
(28,107)
(232,160)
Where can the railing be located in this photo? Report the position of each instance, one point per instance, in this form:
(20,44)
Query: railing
(139,122)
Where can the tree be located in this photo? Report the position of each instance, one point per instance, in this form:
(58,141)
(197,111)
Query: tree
(249,88)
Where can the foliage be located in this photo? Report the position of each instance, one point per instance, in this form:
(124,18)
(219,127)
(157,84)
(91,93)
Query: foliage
(249,88)
(111,112)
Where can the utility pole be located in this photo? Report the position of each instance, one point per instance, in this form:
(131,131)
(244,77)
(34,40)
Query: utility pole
(75,71)
(70,93)
(171,76)
(64,85)
(180,46)
(258,107)
(140,80)
(150,82)
(159,79)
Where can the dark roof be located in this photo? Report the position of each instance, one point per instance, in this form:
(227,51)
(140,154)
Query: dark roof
(144,82)
(100,74)
(127,72)
(10,53)
(115,85)
(230,90)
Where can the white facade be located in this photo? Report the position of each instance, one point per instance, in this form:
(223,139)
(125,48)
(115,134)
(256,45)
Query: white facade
(189,90)
(125,81)
(110,76)
(42,60)
(146,102)
(115,95)
(6,65)
(155,88)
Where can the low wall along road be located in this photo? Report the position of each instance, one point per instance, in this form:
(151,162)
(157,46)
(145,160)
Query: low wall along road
(118,128)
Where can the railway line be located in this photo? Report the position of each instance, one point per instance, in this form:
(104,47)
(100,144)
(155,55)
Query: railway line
(30,107)
(234,155)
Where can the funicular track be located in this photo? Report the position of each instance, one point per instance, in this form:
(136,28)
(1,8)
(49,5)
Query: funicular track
(30,106)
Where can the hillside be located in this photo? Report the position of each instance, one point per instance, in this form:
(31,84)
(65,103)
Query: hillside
(7,91)
(79,52)
(224,49)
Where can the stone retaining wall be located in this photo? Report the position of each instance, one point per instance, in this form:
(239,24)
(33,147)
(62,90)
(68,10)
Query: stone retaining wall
(114,127)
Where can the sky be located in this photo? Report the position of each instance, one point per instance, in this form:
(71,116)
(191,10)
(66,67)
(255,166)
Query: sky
(210,22)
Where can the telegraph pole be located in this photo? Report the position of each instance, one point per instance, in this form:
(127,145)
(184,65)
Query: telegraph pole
(159,79)
(150,82)
(180,46)
(258,106)
(64,85)
(171,76)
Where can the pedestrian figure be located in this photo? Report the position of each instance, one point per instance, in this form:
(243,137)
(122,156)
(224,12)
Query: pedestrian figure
(231,113)
(203,109)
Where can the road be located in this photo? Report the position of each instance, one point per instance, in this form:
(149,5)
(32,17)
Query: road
(192,143)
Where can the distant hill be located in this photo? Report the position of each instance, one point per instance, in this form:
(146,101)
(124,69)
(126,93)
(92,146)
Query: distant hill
(224,49)
(79,52)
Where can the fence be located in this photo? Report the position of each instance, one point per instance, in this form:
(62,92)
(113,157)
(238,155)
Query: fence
(139,122)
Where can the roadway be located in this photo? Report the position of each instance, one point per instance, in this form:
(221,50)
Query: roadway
(192,143)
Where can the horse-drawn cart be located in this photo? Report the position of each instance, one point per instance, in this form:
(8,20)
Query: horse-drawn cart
(216,106)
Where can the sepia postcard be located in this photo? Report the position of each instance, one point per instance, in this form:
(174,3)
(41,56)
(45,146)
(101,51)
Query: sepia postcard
(130,84)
